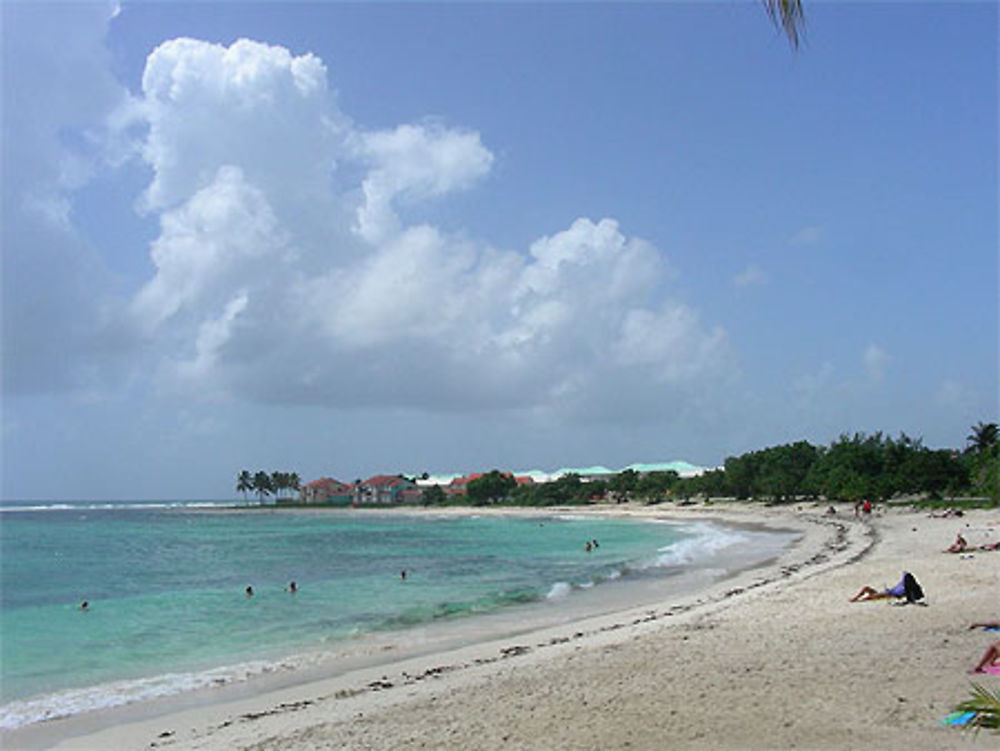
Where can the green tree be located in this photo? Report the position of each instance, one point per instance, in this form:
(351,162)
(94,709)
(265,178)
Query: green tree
(983,435)
(984,472)
(492,487)
(244,483)
(657,483)
(279,483)
(624,482)
(566,489)
(433,496)
(262,484)
(986,706)
(934,471)
(783,470)
(741,474)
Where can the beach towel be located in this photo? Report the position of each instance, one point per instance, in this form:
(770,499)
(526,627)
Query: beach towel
(993,669)
(958,718)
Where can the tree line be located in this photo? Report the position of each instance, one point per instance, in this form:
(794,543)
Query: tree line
(264,484)
(853,467)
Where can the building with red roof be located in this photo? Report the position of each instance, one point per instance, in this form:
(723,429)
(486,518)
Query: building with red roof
(325,490)
(384,489)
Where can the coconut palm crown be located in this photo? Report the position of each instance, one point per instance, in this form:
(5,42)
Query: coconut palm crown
(788,15)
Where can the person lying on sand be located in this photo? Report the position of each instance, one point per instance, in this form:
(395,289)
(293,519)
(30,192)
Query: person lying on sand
(959,546)
(990,546)
(987,624)
(991,660)
(950,512)
(903,588)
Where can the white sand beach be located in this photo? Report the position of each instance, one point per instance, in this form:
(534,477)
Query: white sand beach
(774,658)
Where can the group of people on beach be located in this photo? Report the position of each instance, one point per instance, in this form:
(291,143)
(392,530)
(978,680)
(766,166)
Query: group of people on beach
(961,545)
(908,587)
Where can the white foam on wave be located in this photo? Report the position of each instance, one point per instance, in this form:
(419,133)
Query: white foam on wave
(47,507)
(705,541)
(116,506)
(19,713)
(559,591)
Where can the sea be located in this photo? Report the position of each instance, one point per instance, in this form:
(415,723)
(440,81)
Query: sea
(168,611)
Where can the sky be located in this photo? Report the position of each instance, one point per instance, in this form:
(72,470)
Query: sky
(349,239)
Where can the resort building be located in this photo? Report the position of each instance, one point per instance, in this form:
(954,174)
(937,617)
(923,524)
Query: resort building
(384,489)
(397,489)
(325,490)
(459,484)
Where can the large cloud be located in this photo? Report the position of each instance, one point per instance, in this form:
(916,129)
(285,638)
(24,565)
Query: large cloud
(292,266)
(57,91)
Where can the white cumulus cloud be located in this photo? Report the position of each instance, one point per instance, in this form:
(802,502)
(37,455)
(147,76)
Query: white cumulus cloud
(412,162)
(291,264)
(750,276)
(356,304)
(876,361)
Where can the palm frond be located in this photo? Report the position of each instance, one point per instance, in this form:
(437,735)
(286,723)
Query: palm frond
(789,16)
(985,704)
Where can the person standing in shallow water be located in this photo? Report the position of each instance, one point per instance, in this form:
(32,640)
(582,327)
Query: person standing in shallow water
(249,591)
(402,575)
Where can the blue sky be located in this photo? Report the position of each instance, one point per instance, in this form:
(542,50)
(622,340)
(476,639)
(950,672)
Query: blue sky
(344,239)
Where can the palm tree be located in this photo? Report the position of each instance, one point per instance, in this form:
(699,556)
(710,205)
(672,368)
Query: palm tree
(244,483)
(262,484)
(986,706)
(983,435)
(789,16)
(294,482)
(279,481)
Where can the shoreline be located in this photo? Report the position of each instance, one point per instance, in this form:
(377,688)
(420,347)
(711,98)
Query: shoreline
(378,702)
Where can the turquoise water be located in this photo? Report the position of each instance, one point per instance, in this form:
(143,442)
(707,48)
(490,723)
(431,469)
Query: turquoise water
(165,586)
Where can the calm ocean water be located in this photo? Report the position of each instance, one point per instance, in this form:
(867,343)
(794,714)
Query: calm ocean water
(166,584)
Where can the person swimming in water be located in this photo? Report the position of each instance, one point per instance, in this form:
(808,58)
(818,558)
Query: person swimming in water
(249,591)
(293,587)
(84,605)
